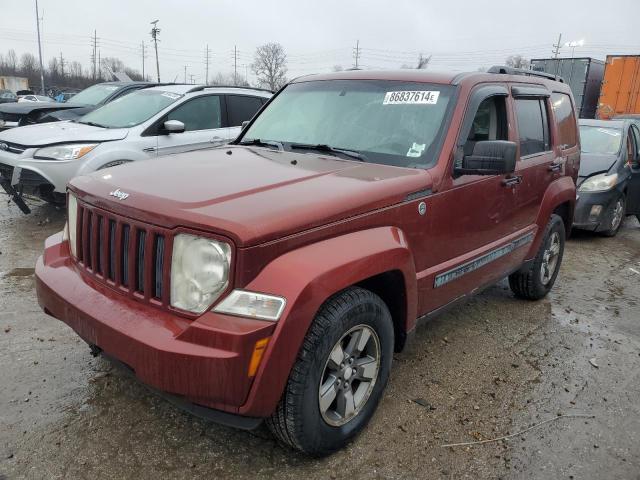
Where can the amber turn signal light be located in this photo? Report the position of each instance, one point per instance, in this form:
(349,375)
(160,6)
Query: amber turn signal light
(256,357)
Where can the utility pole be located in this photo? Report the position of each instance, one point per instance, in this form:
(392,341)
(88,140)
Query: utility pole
(61,65)
(154,35)
(99,65)
(206,62)
(94,55)
(185,74)
(143,57)
(556,51)
(235,65)
(356,54)
(191,78)
(40,50)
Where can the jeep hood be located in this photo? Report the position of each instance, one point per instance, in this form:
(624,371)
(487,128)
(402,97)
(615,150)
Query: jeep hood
(60,132)
(251,195)
(592,163)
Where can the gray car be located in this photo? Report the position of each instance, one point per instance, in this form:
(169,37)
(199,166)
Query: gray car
(146,124)
(609,176)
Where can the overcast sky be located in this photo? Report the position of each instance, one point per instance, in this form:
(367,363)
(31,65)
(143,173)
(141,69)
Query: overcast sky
(461,34)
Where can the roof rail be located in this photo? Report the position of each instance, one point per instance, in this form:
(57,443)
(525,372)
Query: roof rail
(202,87)
(503,69)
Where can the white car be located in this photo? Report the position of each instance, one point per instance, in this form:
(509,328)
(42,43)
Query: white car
(41,159)
(34,98)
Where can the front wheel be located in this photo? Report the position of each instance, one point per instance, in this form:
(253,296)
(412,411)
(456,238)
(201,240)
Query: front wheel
(615,217)
(339,376)
(534,281)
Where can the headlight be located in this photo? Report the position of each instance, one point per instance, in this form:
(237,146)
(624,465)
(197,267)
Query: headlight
(65,152)
(252,305)
(599,183)
(199,272)
(72,222)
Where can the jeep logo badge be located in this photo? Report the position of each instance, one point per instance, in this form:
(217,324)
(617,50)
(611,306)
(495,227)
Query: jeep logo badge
(4,146)
(422,208)
(119,194)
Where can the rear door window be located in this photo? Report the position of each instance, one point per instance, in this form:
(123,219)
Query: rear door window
(567,127)
(241,108)
(533,126)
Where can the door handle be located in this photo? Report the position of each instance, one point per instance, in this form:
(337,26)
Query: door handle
(554,167)
(512,181)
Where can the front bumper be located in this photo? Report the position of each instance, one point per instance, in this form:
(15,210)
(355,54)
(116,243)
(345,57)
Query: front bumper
(585,216)
(203,361)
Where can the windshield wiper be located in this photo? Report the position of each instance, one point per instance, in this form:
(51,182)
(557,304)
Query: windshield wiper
(93,124)
(262,143)
(322,147)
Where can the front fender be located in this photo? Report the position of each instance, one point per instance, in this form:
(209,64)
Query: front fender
(307,277)
(562,190)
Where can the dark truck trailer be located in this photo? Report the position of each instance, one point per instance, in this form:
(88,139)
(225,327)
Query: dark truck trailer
(583,75)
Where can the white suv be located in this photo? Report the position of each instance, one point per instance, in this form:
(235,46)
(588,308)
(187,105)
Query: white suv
(41,159)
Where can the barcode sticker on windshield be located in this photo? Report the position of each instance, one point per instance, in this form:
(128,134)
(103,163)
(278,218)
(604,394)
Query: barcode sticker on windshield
(414,97)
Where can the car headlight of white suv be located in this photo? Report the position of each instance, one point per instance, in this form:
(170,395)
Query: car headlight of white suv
(199,271)
(71,151)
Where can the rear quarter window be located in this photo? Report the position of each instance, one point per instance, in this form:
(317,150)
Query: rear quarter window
(566,119)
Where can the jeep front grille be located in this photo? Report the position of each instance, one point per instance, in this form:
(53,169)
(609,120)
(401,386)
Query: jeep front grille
(127,255)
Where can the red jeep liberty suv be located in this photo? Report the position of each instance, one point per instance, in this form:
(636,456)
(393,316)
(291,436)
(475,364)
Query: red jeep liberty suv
(272,279)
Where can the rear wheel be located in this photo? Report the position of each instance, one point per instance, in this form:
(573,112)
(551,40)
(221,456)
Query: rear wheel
(535,280)
(615,217)
(339,376)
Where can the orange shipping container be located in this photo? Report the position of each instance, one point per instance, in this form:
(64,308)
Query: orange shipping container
(620,91)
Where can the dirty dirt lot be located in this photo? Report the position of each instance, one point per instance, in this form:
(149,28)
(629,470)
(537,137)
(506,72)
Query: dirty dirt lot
(487,369)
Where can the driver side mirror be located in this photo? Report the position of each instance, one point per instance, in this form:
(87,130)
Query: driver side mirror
(491,157)
(244,124)
(173,126)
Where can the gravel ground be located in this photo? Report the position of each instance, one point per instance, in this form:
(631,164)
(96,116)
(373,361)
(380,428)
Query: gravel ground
(487,369)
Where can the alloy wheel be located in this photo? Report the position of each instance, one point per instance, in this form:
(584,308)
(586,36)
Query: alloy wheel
(349,375)
(550,258)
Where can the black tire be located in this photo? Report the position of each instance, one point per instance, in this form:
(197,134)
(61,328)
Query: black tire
(527,282)
(613,230)
(298,422)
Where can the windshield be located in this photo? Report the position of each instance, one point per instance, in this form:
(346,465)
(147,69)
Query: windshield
(95,94)
(391,122)
(130,110)
(601,140)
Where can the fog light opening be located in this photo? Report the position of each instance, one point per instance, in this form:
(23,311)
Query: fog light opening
(595,212)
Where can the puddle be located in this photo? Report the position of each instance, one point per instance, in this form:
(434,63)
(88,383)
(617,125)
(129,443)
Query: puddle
(19,272)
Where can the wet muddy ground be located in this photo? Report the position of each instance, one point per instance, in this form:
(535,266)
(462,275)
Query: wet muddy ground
(485,370)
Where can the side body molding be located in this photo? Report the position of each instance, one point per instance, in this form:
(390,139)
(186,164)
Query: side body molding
(306,277)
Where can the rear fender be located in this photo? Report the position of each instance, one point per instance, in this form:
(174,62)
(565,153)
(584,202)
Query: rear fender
(307,277)
(562,190)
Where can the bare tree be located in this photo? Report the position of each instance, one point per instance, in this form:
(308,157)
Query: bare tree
(12,61)
(28,65)
(517,61)
(423,63)
(227,79)
(270,65)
